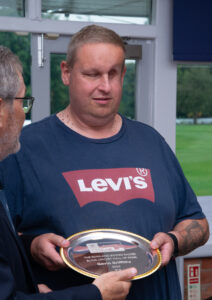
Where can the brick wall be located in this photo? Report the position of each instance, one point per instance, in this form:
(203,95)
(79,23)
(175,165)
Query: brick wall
(205,276)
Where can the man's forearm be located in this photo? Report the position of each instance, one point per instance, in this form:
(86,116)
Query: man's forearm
(191,234)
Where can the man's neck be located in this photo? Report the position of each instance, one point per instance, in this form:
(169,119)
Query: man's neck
(98,129)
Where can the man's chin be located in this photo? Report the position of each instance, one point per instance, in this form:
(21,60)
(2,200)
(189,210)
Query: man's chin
(15,148)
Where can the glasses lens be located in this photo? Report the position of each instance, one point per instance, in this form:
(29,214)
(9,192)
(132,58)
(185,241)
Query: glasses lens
(27,105)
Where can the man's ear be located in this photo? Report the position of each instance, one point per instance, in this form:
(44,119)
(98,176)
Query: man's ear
(65,72)
(123,74)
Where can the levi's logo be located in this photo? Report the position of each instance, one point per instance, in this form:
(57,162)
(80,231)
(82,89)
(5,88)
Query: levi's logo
(110,185)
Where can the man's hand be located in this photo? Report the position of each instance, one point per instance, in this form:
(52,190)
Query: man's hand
(115,285)
(43,250)
(166,246)
(190,235)
(43,288)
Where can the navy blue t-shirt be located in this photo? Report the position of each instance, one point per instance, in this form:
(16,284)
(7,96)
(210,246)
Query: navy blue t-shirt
(63,182)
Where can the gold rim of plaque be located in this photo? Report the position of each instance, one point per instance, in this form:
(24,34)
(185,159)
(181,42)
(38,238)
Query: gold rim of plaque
(79,270)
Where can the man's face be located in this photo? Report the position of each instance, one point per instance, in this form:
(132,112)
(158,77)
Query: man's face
(13,118)
(95,81)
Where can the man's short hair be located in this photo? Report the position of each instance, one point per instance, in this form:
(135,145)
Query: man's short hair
(9,79)
(91,34)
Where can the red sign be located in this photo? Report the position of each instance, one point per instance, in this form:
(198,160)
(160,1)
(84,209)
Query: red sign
(194,282)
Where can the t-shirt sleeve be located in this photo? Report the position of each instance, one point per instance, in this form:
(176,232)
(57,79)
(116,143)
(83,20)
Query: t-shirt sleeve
(186,203)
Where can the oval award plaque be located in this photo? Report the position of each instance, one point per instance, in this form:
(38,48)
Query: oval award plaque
(97,251)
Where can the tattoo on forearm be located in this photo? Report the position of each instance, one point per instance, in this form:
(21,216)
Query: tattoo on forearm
(193,236)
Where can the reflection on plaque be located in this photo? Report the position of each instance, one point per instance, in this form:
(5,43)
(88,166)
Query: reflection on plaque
(94,252)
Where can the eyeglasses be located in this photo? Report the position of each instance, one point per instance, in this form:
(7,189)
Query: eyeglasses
(27,103)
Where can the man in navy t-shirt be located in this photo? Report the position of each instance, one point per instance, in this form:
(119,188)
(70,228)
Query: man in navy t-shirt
(16,278)
(89,167)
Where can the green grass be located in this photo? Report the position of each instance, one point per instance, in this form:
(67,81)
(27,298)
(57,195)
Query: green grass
(194,151)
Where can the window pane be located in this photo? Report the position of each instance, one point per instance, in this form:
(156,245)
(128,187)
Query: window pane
(111,11)
(20,45)
(59,92)
(127,106)
(12,8)
(194,126)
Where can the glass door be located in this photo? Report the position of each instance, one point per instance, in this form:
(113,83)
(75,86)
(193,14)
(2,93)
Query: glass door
(47,87)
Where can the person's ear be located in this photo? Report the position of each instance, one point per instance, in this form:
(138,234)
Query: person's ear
(65,73)
(123,74)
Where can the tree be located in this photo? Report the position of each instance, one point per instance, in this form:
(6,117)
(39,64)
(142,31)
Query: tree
(194,92)
(127,106)
(59,92)
(20,45)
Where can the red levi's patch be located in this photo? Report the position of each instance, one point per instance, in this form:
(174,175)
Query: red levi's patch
(110,185)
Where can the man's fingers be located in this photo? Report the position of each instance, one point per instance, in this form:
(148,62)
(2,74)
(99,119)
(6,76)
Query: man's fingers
(43,288)
(43,250)
(115,285)
(162,241)
(158,240)
(58,240)
(124,275)
(53,255)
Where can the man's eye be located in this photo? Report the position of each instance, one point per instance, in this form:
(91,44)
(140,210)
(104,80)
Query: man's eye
(91,74)
(112,73)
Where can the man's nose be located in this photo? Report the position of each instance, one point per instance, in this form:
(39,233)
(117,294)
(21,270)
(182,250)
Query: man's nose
(104,83)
